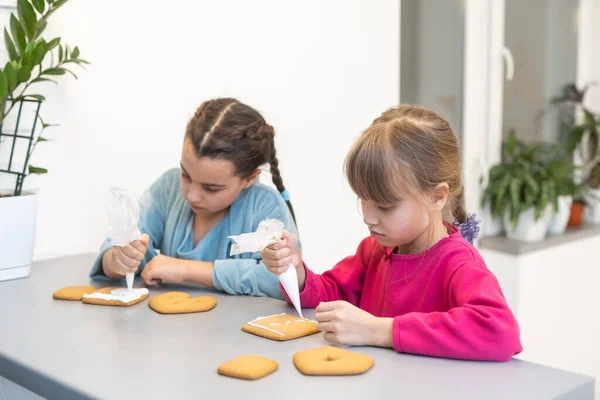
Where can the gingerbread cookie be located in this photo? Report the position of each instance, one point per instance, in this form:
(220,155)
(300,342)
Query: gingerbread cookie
(248,367)
(181,303)
(328,360)
(281,327)
(73,292)
(120,297)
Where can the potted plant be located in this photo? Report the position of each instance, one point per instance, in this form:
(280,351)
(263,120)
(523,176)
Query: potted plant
(33,60)
(584,141)
(522,191)
(562,172)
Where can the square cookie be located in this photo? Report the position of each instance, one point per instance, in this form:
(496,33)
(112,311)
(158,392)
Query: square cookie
(109,297)
(248,367)
(281,327)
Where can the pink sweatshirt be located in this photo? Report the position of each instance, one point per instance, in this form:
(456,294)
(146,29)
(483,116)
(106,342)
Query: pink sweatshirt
(445,302)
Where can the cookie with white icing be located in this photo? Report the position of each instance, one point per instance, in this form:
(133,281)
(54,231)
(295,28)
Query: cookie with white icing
(119,297)
(281,327)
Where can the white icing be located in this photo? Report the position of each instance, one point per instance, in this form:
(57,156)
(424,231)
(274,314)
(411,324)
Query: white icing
(288,322)
(252,323)
(299,320)
(274,324)
(265,328)
(129,276)
(122,295)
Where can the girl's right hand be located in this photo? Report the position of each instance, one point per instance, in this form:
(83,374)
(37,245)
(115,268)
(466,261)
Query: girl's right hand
(127,258)
(278,256)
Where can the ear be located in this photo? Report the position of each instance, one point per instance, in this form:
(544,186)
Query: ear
(250,180)
(438,197)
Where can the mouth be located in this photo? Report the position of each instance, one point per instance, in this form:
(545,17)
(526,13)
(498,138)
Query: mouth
(376,235)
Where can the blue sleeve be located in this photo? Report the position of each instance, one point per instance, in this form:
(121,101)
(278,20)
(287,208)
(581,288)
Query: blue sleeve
(248,275)
(153,210)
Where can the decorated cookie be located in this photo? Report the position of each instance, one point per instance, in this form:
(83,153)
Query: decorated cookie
(248,367)
(281,327)
(120,297)
(181,303)
(328,360)
(72,292)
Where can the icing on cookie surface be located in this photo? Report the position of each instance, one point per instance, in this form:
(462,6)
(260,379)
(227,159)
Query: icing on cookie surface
(123,295)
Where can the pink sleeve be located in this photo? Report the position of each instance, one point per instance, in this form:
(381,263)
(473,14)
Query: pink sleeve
(479,326)
(343,282)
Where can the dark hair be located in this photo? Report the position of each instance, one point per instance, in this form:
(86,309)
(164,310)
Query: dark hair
(227,129)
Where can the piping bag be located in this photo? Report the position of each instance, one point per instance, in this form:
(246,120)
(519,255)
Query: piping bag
(123,216)
(268,232)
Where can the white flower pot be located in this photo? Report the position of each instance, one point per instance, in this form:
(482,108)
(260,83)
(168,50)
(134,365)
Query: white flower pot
(592,209)
(17,235)
(528,229)
(560,218)
(490,226)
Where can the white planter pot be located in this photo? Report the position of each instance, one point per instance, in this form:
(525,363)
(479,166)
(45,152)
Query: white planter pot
(17,235)
(490,226)
(592,210)
(527,229)
(560,218)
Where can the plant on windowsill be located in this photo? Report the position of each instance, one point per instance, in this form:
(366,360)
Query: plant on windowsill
(522,190)
(584,141)
(33,60)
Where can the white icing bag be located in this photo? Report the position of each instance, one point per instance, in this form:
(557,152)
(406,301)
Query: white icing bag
(268,232)
(123,217)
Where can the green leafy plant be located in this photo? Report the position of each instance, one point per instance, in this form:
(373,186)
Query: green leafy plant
(33,60)
(588,128)
(527,177)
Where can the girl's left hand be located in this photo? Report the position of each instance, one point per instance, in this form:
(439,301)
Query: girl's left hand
(164,268)
(344,323)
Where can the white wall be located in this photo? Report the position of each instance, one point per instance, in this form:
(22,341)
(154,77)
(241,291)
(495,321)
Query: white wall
(319,71)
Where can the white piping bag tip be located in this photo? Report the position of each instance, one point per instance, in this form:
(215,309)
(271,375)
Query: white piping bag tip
(289,281)
(129,276)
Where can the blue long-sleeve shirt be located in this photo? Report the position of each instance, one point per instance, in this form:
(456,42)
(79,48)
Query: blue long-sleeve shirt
(167,218)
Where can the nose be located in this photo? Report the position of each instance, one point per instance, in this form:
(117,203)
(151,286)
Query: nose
(194,195)
(369,211)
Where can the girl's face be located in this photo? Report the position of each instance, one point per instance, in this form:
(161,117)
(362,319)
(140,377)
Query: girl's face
(210,185)
(403,225)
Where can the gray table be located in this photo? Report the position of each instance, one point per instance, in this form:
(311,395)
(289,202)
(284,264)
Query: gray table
(65,350)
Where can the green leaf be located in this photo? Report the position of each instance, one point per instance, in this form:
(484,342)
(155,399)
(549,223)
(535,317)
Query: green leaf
(67,51)
(3,85)
(575,137)
(39,53)
(24,73)
(71,72)
(58,3)
(60,54)
(53,43)
(17,33)
(36,80)
(41,27)
(40,5)
(11,76)
(54,71)
(10,46)
(37,170)
(27,16)
(75,53)
(36,96)
(41,139)
(82,61)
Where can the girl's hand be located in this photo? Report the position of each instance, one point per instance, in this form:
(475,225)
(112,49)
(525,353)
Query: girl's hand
(344,323)
(278,256)
(128,258)
(165,268)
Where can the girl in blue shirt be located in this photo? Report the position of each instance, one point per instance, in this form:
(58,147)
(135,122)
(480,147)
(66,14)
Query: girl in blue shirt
(189,212)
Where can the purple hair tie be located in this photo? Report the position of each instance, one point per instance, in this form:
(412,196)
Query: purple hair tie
(470,228)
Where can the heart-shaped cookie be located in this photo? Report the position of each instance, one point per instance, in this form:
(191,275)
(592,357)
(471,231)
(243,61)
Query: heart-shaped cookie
(181,303)
(328,360)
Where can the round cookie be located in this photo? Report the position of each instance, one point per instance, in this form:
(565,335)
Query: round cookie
(107,299)
(73,293)
(281,327)
(181,303)
(328,360)
(248,367)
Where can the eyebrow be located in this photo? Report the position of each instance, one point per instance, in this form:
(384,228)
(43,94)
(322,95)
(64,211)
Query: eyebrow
(217,185)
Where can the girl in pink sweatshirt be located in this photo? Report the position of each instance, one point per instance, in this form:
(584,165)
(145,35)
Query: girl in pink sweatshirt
(416,284)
